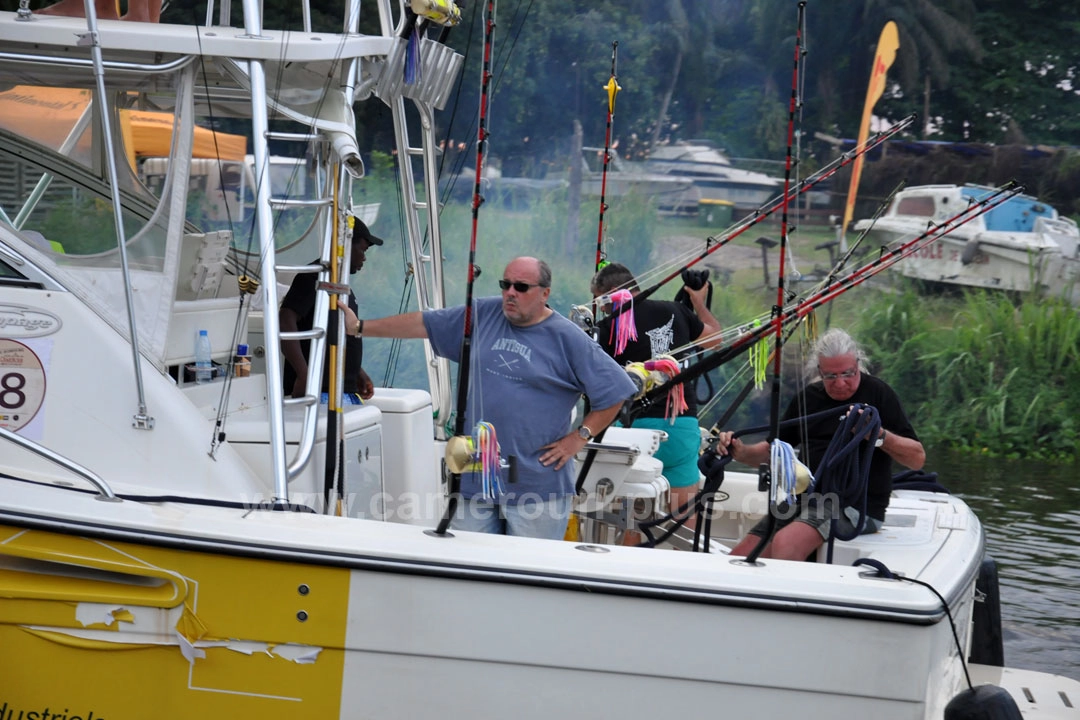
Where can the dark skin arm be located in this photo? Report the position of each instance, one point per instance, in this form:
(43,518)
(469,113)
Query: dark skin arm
(287,319)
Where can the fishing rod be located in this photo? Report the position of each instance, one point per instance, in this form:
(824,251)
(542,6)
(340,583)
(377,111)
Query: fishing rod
(613,89)
(466,341)
(793,103)
(333,471)
(712,244)
(829,291)
(833,273)
(837,286)
(778,308)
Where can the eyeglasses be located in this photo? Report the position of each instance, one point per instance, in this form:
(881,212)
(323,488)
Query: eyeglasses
(846,375)
(521,287)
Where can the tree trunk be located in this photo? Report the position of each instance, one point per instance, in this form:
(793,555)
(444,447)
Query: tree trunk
(573,193)
(666,101)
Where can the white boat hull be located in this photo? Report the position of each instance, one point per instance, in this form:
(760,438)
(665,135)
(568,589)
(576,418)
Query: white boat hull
(1040,255)
(230,611)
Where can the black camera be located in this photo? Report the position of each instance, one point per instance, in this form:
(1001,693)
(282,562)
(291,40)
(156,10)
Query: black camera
(695,279)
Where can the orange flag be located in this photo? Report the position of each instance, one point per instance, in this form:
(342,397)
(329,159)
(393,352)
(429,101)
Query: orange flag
(888,44)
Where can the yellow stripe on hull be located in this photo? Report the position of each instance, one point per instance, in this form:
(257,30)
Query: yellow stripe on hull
(131,631)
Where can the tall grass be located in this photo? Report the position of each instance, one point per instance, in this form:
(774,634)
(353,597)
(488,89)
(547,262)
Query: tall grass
(983,374)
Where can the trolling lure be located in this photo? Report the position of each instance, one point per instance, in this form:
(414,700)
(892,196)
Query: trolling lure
(419,12)
(790,477)
(759,361)
(478,453)
(488,454)
(668,367)
(623,329)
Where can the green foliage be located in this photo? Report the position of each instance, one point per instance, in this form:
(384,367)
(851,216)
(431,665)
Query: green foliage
(996,378)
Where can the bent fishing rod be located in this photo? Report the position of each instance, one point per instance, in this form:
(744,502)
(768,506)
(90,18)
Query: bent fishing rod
(838,286)
(464,364)
(712,244)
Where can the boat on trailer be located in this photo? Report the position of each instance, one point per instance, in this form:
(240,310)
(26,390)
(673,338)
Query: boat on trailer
(1022,245)
(167,548)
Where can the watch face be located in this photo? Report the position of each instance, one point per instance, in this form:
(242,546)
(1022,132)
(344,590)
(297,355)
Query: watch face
(584,433)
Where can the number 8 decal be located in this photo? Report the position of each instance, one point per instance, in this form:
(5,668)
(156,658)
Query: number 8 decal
(22,384)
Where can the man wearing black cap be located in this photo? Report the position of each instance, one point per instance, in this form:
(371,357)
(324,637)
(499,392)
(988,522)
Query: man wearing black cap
(297,313)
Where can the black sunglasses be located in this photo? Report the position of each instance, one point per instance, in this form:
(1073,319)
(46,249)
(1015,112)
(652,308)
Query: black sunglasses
(521,287)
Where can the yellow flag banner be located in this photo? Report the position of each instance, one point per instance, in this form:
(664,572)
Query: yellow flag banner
(888,44)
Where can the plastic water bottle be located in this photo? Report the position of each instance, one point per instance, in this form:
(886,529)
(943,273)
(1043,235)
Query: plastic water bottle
(204,367)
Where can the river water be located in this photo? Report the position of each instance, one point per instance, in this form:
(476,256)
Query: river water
(1031,514)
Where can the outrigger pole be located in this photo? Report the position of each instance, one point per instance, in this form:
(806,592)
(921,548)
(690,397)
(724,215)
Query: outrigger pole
(466,340)
(613,89)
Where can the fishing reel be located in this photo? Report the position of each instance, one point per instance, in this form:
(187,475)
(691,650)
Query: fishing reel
(481,454)
(581,315)
(654,373)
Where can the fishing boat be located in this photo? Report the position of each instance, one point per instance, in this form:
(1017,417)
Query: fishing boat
(713,174)
(1023,245)
(177,548)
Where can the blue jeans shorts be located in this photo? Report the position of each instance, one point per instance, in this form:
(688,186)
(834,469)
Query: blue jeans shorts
(537,518)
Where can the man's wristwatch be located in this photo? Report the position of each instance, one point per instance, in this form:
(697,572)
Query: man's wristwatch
(585,433)
(881,439)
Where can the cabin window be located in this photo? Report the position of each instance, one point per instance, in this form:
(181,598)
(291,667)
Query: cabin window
(920,206)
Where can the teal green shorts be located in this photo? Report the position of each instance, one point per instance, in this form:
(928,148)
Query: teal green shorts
(680,451)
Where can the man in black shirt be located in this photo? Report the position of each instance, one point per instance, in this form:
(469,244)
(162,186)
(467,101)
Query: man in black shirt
(840,368)
(663,328)
(297,313)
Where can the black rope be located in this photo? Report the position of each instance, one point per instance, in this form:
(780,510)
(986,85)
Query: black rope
(884,572)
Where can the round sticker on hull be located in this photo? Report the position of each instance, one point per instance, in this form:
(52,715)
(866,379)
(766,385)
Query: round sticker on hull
(22,384)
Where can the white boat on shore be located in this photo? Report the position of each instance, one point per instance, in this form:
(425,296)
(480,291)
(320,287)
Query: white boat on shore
(1022,245)
(168,548)
(713,174)
(672,194)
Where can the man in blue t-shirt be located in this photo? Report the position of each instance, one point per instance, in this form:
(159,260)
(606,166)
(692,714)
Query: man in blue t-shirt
(529,366)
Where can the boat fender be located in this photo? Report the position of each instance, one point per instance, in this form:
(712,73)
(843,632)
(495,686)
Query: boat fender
(971,249)
(987,644)
(985,702)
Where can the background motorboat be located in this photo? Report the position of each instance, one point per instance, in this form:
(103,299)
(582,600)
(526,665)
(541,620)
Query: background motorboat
(1021,245)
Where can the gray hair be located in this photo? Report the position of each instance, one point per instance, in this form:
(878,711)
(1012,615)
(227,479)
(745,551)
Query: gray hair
(544,270)
(834,343)
(611,277)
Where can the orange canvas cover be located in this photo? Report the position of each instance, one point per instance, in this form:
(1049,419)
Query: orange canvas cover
(47,116)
